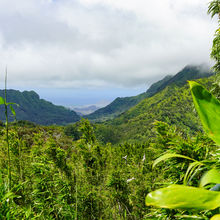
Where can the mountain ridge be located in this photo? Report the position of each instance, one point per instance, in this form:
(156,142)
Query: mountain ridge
(120,105)
(34,109)
(172,105)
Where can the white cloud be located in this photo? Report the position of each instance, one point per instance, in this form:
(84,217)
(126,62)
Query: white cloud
(95,43)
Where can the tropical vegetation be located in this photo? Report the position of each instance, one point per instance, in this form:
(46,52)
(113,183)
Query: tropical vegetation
(157,160)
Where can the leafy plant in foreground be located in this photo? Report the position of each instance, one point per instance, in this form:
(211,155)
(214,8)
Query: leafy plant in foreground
(3,101)
(188,197)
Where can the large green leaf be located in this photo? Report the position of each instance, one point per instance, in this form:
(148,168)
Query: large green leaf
(208,108)
(2,101)
(12,103)
(168,156)
(184,197)
(215,217)
(12,110)
(211,176)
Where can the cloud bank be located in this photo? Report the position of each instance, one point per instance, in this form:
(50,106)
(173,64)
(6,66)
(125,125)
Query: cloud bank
(101,43)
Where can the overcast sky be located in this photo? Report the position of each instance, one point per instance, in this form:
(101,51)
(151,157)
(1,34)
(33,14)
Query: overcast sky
(100,48)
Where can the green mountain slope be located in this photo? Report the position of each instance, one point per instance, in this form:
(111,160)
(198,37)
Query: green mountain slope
(120,105)
(172,105)
(156,87)
(187,73)
(37,110)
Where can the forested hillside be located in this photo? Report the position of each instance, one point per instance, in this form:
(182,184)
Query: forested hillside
(172,105)
(120,105)
(37,110)
(154,156)
(189,72)
(104,171)
(115,108)
(53,174)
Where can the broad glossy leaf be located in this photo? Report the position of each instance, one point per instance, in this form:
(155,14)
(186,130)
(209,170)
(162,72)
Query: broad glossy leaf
(2,101)
(215,217)
(168,156)
(208,108)
(211,176)
(184,197)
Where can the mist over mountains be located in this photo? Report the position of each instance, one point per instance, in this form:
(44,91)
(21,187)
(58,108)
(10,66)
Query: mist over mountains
(120,105)
(40,111)
(86,109)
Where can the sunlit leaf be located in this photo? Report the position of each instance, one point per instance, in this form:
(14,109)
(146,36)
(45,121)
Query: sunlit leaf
(208,108)
(2,101)
(12,103)
(12,110)
(9,195)
(211,176)
(184,197)
(215,217)
(168,156)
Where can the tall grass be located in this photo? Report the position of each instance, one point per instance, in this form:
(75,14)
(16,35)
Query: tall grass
(3,101)
(7,138)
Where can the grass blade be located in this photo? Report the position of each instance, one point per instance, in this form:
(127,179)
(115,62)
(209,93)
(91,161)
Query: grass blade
(168,156)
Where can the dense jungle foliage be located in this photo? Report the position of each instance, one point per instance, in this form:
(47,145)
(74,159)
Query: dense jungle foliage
(54,176)
(204,195)
(92,171)
(72,173)
(144,164)
(172,105)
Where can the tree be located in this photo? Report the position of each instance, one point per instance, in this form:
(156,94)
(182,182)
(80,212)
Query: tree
(214,8)
(87,131)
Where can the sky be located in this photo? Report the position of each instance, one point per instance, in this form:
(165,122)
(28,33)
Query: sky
(81,52)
